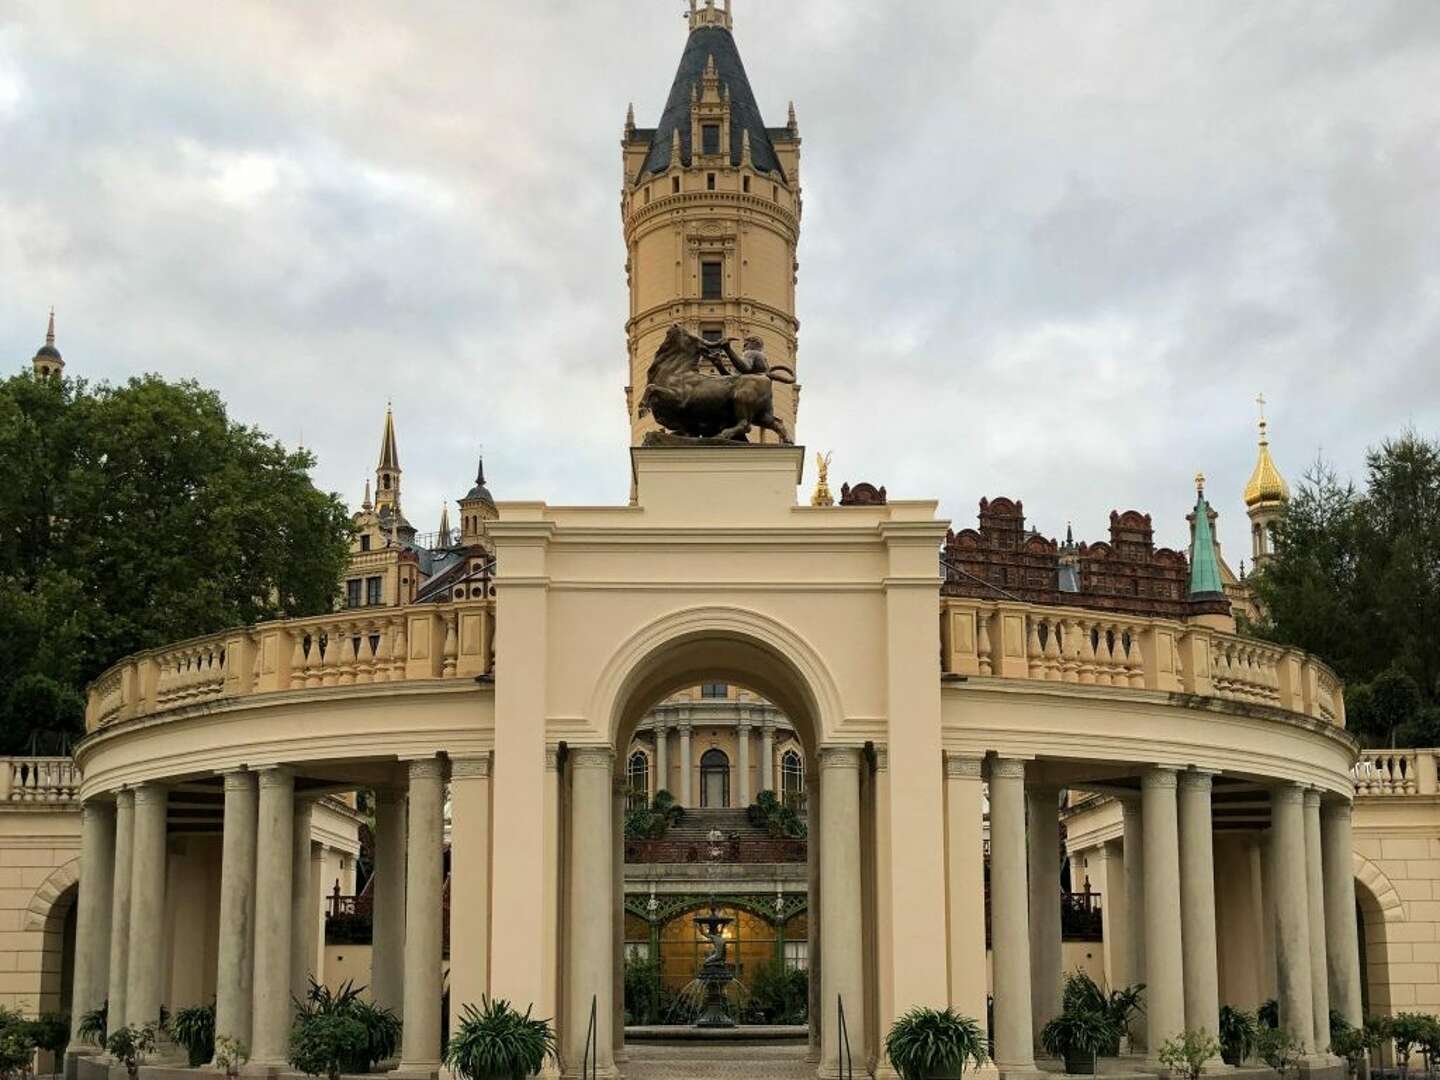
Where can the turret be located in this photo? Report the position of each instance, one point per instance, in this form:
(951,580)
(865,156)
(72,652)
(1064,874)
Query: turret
(714,188)
(476,509)
(1265,497)
(47,360)
(1208,602)
(387,485)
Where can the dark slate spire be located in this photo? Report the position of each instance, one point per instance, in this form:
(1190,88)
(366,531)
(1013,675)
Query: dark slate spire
(711,38)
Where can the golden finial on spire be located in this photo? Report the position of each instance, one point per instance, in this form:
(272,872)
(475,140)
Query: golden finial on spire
(1200,483)
(822,496)
(1264,440)
(1266,484)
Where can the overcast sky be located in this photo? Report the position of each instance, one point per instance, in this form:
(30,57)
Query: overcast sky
(1050,250)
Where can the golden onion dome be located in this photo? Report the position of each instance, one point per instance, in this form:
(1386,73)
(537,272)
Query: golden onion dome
(1266,484)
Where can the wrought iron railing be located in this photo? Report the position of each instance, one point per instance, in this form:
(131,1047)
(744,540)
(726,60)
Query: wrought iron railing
(590,1060)
(845,1061)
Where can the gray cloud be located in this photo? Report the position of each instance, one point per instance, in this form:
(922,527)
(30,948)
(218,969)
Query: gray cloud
(1057,249)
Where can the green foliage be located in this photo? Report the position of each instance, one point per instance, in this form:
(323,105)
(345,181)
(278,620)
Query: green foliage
(1353,1044)
(779,821)
(93,1025)
(643,990)
(1355,579)
(381,1027)
(321,1043)
(779,995)
(926,1043)
(231,1054)
(137,515)
(653,821)
(499,1043)
(1080,1033)
(17,1043)
(1268,1014)
(1409,1030)
(194,1029)
(1277,1050)
(1239,1031)
(129,1046)
(1186,1055)
(51,1031)
(1082,994)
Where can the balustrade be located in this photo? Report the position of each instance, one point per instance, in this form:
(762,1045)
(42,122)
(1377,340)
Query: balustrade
(349,648)
(1381,773)
(38,780)
(1015,640)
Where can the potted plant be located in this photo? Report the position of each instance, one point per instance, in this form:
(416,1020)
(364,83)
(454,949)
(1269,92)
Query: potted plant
(194,1029)
(1354,1045)
(129,1045)
(1187,1054)
(1079,1036)
(230,1055)
(497,1042)
(320,1043)
(934,1044)
(1238,1032)
(1277,1050)
(93,1024)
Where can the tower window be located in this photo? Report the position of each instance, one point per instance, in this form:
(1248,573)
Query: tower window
(352,592)
(710,181)
(647,194)
(712,331)
(714,690)
(675,185)
(373,595)
(710,138)
(775,192)
(711,280)
(385,482)
(745,184)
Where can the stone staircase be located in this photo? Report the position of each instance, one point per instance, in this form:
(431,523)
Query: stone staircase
(696,826)
(717,1061)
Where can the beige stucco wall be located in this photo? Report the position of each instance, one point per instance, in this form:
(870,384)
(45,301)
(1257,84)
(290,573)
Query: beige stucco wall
(39,866)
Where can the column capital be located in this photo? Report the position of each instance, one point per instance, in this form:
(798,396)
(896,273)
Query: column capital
(1287,793)
(239,780)
(1007,768)
(1337,809)
(591,757)
(94,809)
(744,725)
(431,768)
(840,757)
(470,768)
(1158,779)
(961,767)
(684,727)
(882,759)
(768,725)
(1197,780)
(124,795)
(150,794)
(274,776)
(1312,799)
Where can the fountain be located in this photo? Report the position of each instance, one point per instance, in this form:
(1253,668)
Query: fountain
(715,976)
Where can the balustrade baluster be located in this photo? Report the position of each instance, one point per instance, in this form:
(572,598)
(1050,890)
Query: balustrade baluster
(982,644)
(1052,650)
(452,646)
(1034,654)
(1085,667)
(402,651)
(1104,656)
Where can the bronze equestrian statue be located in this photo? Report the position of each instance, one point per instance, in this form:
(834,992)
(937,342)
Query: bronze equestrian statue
(687,400)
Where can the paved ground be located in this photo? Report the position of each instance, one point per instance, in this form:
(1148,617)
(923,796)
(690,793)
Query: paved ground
(717,1061)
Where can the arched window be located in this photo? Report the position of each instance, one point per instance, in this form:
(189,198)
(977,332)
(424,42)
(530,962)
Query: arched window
(637,774)
(714,779)
(792,778)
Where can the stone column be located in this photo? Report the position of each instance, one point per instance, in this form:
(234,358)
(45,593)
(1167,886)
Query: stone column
(120,908)
(1164,959)
(387,962)
(1009,921)
(965,882)
(93,908)
(842,971)
(1197,904)
(1341,934)
(743,756)
(1043,805)
(303,903)
(424,884)
(274,854)
(814,902)
(469,883)
(1315,901)
(147,907)
(234,977)
(685,799)
(1289,881)
(767,756)
(662,756)
(1133,847)
(617,914)
(589,938)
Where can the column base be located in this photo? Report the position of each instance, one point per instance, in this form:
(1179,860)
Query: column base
(603,1072)
(416,1070)
(1024,1071)
(1322,1067)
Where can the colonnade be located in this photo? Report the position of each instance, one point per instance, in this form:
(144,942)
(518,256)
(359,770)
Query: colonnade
(1168,917)
(745,732)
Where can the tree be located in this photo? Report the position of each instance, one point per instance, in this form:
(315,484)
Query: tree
(1355,579)
(136,515)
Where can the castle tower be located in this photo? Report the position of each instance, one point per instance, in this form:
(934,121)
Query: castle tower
(47,360)
(1265,497)
(711,209)
(1209,603)
(387,484)
(477,508)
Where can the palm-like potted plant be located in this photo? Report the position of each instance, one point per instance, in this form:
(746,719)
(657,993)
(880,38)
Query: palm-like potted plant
(1238,1034)
(497,1042)
(934,1044)
(1079,1036)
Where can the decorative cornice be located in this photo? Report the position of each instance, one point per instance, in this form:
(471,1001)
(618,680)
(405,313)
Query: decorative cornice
(1007,768)
(427,769)
(471,768)
(840,757)
(591,757)
(1159,779)
(961,767)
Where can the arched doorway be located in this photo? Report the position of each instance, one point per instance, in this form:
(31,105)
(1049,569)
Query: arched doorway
(714,780)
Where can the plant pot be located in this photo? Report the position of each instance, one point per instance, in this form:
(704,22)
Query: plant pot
(1080,1063)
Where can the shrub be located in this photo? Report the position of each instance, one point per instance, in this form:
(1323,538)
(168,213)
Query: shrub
(1238,1032)
(1354,1045)
(93,1025)
(321,1043)
(499,1043)
(1079,1035)
(926,1043)
(50,1032)
(382,1027)
(779,995)
(643,990)
(1409,1030)
(652,822)
(129,1046)
(17,1043)
(194,1029)
(1083,994)
(1186,1055)
(1277,1050)
(779,821)
(1269,1014)
(231,1055)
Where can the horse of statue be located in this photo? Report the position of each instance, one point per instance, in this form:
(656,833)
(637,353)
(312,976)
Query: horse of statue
(688,401)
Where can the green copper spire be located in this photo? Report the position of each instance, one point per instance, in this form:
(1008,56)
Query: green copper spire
(1204,565)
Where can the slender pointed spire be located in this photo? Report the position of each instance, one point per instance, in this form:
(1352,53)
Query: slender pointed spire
(367,504)
(444,526)
(1204,562)
(389,455)
(50,331)
(47,360)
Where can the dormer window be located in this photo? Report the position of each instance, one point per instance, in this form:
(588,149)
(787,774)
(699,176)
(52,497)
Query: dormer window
(710,138)
(365,542)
